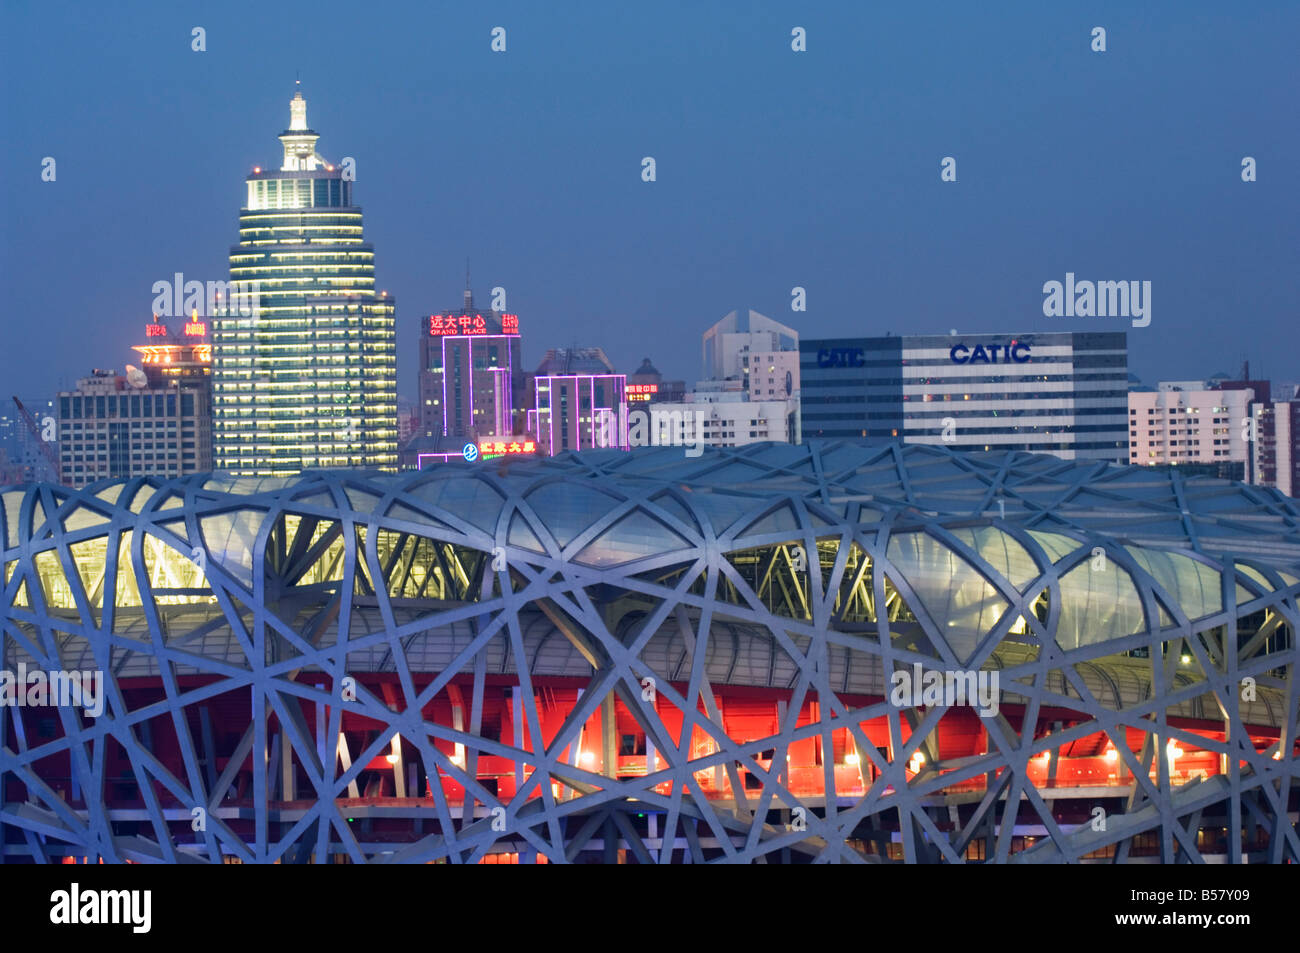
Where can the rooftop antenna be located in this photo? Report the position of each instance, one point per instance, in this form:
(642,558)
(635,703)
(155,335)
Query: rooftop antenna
(469,295)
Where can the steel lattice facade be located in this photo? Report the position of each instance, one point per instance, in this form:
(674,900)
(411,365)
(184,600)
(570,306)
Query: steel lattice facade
(648,657)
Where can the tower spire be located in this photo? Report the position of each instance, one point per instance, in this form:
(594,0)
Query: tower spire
(299,139)
(469,294)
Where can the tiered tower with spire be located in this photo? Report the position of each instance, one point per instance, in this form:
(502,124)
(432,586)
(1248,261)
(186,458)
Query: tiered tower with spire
(309,379)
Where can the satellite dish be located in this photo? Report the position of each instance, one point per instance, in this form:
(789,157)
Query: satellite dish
(136,378)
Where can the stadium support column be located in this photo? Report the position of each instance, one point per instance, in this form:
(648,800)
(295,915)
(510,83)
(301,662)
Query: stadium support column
(609,760)
(1054,755)
(288,778)
(517,713)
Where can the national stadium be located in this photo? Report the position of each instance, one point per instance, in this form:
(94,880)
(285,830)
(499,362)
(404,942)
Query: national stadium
(645,657)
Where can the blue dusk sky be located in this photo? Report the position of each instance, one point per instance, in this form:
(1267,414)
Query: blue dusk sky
(775,168)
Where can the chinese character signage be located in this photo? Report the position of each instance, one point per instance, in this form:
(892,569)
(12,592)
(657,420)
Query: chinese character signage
(637,392)
(487,448)
(155,330)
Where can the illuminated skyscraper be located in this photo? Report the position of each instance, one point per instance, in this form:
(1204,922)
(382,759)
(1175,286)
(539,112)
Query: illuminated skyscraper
(308,378)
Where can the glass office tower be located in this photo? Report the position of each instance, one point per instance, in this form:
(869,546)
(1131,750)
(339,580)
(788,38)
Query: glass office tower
(305,375)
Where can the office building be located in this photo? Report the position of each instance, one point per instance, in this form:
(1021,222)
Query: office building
(1059,393)
(109,428)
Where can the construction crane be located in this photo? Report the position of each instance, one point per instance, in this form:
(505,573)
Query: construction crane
(47,451)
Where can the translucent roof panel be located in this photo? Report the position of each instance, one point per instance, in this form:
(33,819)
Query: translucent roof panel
(1195,586)
(1002,554)
(634,536)
(13,503)
(230,538)
(244,486)
(672,505)
(1256,575)
(723,509)
(568,509)
(474,501)
(960,600)
(1056,545)
(1099,602)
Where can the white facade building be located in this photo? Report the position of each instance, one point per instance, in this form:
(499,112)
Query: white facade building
(729,420)
(727,345)
(1062,393)
(751,384)
(1175,426)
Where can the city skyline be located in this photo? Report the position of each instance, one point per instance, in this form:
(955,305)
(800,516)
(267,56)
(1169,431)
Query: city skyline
(857,215)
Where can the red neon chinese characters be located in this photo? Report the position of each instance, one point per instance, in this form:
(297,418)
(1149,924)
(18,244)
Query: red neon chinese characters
(155,330)
(196,329)
(441,325)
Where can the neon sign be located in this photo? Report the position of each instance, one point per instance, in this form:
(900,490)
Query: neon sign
(155,330)
(636,392)
(196,329)
(442,325)
(497,447)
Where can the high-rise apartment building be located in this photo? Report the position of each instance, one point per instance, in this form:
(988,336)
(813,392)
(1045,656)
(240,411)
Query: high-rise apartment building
(1190,426)
(1275,451)
(307,375)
